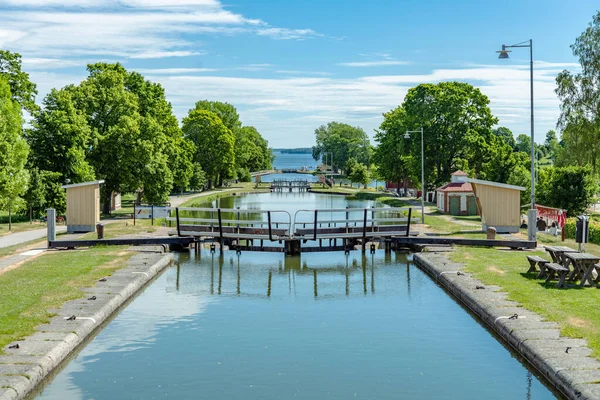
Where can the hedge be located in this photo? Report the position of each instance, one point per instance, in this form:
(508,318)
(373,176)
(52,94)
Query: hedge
(594,230)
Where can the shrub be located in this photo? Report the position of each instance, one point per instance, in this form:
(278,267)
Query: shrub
(594,230)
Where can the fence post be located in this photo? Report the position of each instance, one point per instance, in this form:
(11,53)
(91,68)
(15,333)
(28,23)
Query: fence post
(364,237)
(315,226)
(134,214)
(269,220)
(152,213)
(408,225)
(177,218)
(220,231)
(51,218)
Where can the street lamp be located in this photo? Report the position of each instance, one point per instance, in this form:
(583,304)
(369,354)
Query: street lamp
(531,215)
(407,136)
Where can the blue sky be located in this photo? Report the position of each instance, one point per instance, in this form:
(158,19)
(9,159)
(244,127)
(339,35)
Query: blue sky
(291,66)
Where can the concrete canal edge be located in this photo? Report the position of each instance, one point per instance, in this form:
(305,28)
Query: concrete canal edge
(565,362)
(23,368)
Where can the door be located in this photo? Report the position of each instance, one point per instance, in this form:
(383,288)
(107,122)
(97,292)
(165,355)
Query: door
(472,205)
(454,205)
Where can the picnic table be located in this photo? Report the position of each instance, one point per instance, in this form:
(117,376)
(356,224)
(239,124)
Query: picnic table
(583,265)
(558,253)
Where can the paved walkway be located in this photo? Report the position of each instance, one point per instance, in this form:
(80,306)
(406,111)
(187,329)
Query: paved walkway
(27,236)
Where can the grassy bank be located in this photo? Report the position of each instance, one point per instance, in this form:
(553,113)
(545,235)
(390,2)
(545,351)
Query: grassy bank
(126,227)
(575,309)
(46,282)
(236,189)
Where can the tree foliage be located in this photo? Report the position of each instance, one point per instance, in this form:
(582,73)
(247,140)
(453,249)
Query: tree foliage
(506,135)
(456,122)
(60,137)
(21,88)
(342,142)
(579,94)
(13,151)
(214,144)
(569,188)
(358,172)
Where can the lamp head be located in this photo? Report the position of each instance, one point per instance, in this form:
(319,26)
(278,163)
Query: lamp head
(406,135)
(503,54)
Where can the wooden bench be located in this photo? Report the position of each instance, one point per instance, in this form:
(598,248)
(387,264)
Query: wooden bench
(536,260)
(557,269)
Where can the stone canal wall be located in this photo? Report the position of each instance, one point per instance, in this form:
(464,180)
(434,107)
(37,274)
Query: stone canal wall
(23,368)
(565,362)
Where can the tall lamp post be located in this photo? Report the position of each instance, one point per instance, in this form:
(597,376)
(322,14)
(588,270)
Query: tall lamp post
(407,136)
(531,214)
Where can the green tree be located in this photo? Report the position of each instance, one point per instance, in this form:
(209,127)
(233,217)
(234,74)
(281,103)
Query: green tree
(60,137)
(551,144)
(579,94)
(392,154)
(358,172)
(506,135)
(341,142)
(524,143)
(569,188)
(21,88)
(252,152)
(35,196)
(214,144)
(225,111)
(44,192)
(198,178)
(455,117)
(13,153)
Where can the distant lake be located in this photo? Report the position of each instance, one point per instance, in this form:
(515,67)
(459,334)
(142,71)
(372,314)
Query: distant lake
(293,161)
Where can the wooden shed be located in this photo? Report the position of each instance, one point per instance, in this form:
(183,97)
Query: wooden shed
(83,206)
(499,204)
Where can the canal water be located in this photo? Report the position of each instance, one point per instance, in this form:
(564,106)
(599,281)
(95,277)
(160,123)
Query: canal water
(319,326)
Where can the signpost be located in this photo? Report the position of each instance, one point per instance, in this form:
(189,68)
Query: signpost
(150,212)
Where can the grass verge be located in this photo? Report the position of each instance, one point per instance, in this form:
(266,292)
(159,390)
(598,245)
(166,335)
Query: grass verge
(126,227)
(46,282)
(575,309)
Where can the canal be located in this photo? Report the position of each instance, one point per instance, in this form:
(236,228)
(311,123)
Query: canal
(319,326)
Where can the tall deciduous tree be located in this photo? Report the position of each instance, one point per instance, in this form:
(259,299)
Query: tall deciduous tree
(569,188)
(506,135)
(341,142)
(60,137)
(21,88)
(455,117)
(13,152)
(579,94)
(214,144)
(225,111)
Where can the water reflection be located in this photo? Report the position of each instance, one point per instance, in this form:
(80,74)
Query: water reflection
(317,326)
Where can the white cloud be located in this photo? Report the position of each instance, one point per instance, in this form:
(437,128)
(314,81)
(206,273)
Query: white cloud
(380,63)
(287,34)
(124,28)
(300,73)
(254,67)
(164,54)
(173,71)
(287,110)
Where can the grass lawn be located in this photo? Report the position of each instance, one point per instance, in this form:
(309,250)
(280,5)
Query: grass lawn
(237,188)
(575,309)
(46,282)
(126,227)
(19,248)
